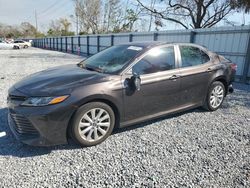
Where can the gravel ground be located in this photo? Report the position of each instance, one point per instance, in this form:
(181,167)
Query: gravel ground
(192,149)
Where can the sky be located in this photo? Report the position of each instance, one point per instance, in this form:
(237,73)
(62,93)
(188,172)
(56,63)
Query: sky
(14,12)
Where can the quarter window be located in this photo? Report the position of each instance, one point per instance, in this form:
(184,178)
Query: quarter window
(192,56)
(157,59)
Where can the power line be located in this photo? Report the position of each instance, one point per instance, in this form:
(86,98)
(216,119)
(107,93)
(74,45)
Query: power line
(47,9)
(54,9)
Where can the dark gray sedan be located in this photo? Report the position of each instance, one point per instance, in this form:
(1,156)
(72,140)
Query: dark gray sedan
(120,86)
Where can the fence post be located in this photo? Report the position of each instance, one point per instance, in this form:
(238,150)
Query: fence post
(50,43)
(192,37)
(72,45)
(247,62)
(155,36)
(66,43)
(79,45)
(130,37)
(57,44)
(61,43)
(112,40)
(87,45)
(98,43)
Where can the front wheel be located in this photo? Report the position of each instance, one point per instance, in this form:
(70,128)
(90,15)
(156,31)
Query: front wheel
(215,96)
(92,123)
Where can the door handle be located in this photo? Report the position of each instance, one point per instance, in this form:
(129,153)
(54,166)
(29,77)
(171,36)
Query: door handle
(210,69)
(174,77)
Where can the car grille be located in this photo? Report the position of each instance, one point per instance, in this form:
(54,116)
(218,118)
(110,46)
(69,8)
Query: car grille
(16,98)
(22,125)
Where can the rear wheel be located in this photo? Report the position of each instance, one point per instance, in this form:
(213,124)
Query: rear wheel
(215,96)
(92,123)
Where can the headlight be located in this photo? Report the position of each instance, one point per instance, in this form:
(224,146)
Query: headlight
(43,101)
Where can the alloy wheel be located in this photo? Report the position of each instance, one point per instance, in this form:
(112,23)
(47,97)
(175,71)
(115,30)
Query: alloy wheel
(216,96)
(94,124)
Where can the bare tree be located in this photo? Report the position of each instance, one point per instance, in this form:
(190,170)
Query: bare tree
(112,14)
(191,14)
(65,25)
(241,5)
(54,28)
(152,7)
(89,13)
(59,27)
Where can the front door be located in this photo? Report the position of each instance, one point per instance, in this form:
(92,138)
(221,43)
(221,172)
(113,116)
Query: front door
(160,85)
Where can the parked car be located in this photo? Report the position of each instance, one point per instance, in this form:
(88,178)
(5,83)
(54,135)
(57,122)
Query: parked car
(4,45)
(117,87)
(21,44)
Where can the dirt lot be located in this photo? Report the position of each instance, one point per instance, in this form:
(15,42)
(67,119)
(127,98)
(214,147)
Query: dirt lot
(192,149)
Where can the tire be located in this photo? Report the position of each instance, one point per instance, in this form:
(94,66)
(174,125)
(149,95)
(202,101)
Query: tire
(89,133)
(25,46)
(215,96)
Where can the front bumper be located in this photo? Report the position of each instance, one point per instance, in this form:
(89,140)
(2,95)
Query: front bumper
(40,126)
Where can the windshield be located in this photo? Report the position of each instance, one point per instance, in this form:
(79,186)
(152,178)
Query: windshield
(111,60)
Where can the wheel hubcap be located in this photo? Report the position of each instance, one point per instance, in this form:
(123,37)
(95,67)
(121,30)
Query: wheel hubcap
(94,124)
(217,96)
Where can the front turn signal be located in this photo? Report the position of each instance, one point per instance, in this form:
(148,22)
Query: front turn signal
(58,99)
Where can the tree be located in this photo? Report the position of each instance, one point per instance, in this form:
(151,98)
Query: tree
(191,14)
(28,30)
(65,26)
(241,4)
(89,13)
(112,15)
(8,31)
(60,27)
(105,16)
(54,28)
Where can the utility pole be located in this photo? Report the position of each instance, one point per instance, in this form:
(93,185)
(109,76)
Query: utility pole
(77,24)
(36,21)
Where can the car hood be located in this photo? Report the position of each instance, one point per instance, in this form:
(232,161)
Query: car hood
(57,80)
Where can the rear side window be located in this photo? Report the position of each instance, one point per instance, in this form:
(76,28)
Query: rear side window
(192,56)
(157,60)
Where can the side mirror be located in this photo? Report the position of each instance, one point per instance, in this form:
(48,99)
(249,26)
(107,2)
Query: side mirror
(136,82)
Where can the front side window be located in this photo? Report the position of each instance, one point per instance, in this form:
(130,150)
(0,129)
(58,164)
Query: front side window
(156,60)
(113,59)
(192,56)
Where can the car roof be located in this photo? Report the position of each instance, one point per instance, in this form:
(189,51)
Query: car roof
(150,44)
(145,44)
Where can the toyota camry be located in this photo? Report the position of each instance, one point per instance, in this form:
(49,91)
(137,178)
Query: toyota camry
(120,86)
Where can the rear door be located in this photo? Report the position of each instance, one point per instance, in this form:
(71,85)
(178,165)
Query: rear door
(160,85)
(196,70)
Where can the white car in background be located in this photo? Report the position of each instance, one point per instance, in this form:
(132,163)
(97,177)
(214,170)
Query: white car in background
(21,44)
(4,45)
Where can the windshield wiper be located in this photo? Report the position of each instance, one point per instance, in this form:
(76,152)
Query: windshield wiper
(92,68)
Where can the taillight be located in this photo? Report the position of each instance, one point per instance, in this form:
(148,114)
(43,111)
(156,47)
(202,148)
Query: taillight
(233,66)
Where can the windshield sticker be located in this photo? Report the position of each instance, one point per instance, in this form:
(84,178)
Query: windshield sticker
(136,48)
